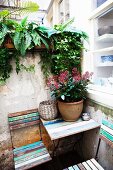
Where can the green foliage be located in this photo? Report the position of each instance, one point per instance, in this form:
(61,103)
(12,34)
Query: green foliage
(27,7)
(68,45)
(21,37)
(5,65)
(62,27)
(4,13)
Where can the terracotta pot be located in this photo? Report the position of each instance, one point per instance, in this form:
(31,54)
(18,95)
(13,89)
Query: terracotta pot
(70,111)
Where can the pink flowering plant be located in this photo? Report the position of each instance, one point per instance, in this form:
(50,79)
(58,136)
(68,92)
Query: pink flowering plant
(69,86)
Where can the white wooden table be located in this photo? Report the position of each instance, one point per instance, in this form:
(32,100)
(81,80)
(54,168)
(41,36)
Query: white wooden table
(59,128)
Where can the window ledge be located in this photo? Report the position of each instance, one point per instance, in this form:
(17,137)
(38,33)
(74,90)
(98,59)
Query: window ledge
(100,97)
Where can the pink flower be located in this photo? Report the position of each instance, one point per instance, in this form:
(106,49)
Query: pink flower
(86,76)
(56,84)
(77,78)
(69,84)
(63,77)
(74,71)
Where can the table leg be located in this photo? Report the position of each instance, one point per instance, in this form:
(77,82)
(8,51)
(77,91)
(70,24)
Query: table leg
(97,149)
(55,147)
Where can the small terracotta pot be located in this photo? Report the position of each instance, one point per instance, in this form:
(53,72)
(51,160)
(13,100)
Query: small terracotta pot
(70,111)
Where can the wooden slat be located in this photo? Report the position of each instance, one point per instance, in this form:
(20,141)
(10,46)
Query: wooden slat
(107,129)
(33,162)
(96,164)
(32,145)
(26,151)
(57,123)
(86,166)
(81,166)
(76,167)
(107,123)
(17,118)
(106,134)
(91,164)
(23,121)
(107,140)
(24,125)
(72,129)
(70,168)
(31,155)
(93,167)
(22,112)
(69,126)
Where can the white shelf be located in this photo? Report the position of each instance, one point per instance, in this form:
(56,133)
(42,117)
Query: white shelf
(101,9)
(106,64)
(101,97)
(106,38)
(104,89)
(103,50)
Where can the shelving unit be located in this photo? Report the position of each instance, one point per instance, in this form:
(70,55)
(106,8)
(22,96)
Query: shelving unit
(101,45)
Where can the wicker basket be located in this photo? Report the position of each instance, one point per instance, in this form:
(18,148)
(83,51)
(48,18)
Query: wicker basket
(48,109)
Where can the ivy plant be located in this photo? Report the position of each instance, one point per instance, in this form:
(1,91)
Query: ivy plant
(5,65)
(67,52)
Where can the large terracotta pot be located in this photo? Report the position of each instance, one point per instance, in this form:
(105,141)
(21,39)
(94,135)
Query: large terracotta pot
(70,111)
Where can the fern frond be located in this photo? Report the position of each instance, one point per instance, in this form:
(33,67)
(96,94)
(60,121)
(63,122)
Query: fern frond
(29,7)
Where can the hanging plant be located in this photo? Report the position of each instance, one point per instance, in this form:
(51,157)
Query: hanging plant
(5,65)
(66,43)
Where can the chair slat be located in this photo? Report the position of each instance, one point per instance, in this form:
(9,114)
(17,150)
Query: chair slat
(106,134)
(107,129)
(12,127)
(23,119)
(30,155)
(33,162)
(29,147)
(96,164)
(81,166)
(93,167)
(70,168)
(76,167)
(22,113)
(107,123)
(86,166)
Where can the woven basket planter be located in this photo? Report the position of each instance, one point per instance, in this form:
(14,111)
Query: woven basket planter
(48,110)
